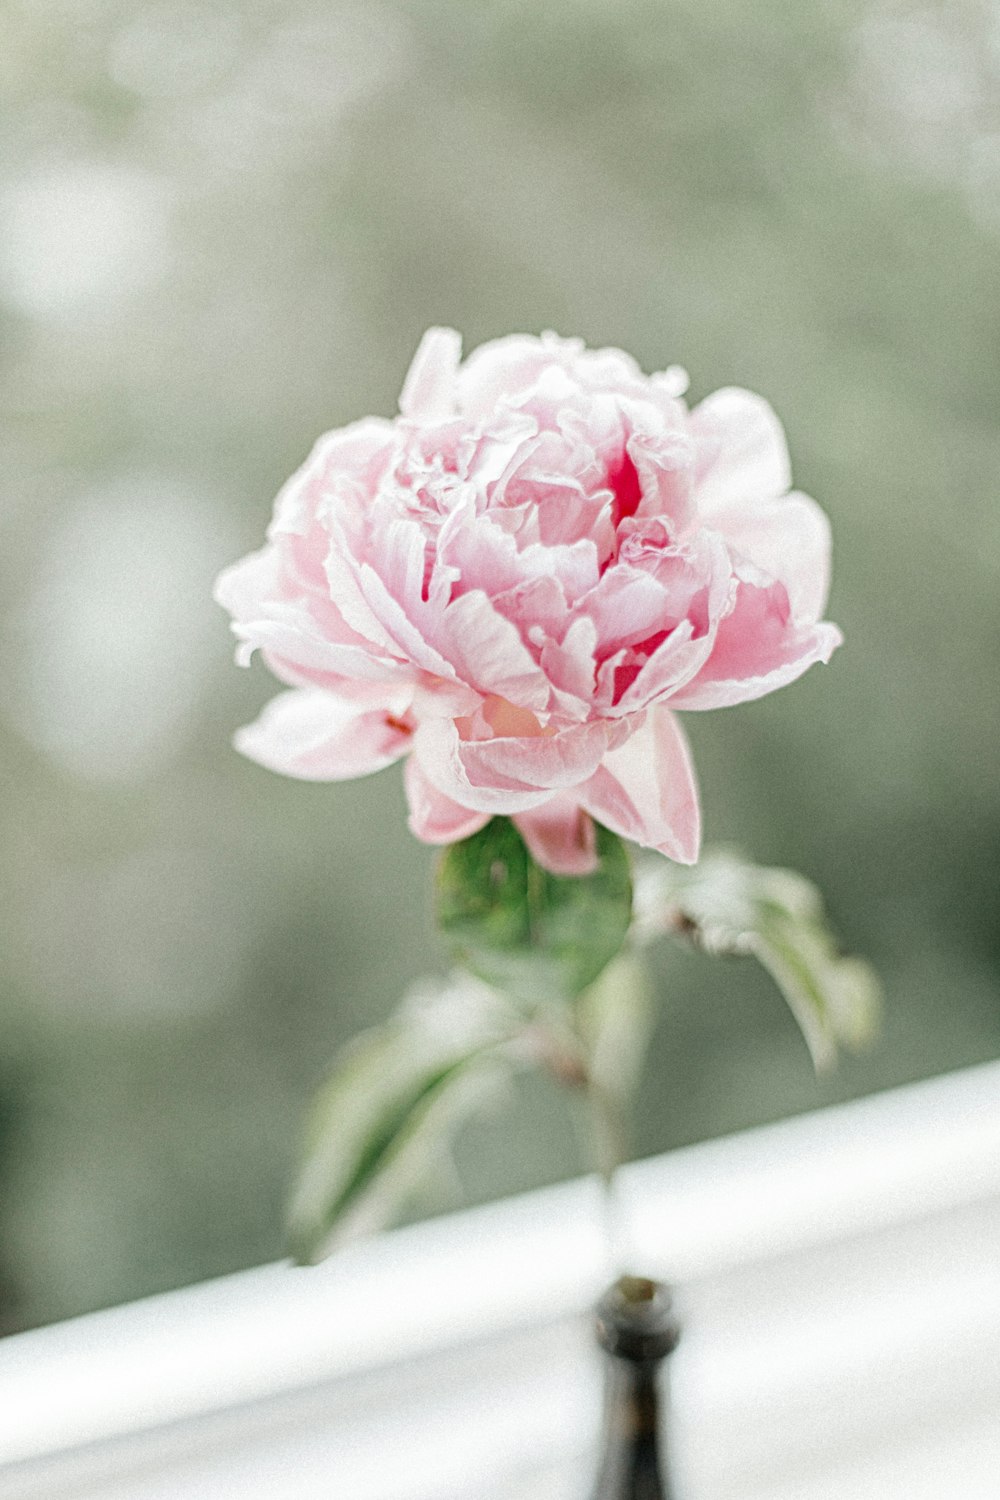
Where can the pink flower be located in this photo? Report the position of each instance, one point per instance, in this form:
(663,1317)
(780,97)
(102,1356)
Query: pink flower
(516,581)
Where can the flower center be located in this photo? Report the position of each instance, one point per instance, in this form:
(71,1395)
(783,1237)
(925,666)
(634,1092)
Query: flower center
(505,718)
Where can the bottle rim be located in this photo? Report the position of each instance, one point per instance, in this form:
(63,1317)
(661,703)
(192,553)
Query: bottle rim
(636,1319)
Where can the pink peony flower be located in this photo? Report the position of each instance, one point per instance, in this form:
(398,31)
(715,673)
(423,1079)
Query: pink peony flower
(516,582)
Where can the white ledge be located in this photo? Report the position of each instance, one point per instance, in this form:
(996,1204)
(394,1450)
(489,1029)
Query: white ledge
(769,1197)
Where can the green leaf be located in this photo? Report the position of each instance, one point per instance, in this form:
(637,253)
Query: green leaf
(537,936)
(394,1097)
(726,905)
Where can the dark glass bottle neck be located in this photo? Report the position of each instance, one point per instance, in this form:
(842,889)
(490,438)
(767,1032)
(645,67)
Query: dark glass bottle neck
(637,1329)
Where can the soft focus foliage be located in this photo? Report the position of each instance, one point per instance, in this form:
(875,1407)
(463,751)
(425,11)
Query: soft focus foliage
(389,1106)
(223,229)
(568,992)
(728,906)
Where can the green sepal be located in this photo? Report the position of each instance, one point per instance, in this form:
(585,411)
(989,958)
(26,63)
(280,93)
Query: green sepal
(537,936)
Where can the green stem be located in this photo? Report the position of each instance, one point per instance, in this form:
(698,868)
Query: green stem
(609,1149)
(603,1125)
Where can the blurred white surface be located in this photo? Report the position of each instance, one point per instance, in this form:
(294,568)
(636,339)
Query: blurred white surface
(840,1287)
(78,237)
(115,636)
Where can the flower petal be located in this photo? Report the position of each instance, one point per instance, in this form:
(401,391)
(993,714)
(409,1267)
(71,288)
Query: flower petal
(505,368)
(435,818)
(560,836)
(318,736)
(627,605)
(438,748)
(486,651)
(789,539)
(646,790)
(758,648)
(510,773)
(552,761)
(355,457)
(429,388)
(741,454)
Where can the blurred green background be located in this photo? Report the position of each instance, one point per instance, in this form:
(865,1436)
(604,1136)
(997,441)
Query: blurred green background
(222,230)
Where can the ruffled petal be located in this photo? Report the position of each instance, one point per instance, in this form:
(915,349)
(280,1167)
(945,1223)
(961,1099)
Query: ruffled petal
(758,648)
(297,653)
(302,633)
(505,368)
(437,746)
(486,652)
(741,453)
(244,586)
(627,605)
(673,663)
(435,818)
(429,388)
(553,761)
(789,539)
(317,736)
(646,790)
(356,455)
(510,773)
(664,464)
(560,836)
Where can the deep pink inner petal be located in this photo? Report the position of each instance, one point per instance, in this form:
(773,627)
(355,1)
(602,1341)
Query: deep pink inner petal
(626,674)
(623,481)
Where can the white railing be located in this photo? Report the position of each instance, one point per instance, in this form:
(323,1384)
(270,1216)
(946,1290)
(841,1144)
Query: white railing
(839,1279)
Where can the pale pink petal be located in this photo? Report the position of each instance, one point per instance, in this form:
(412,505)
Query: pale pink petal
(627,605)
(357,454)
(383,612)
(553,761)
(435,818)
(398,551)
(560,836)
(429,387)
(438,748)
(465,640)
(741,454)
(486,651)
(613,370)
(510,774)
(672,382)
(672,664)
(488,557)
(570,664)
(409,640)
(758,648)
(507,367)
(303,637)
(316,736)
(664,465)
(343,571)
(436,698)
(646,790)
(789,539)
(538,607)
(685,649)
(557,478)
(243,587)
(291,643)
